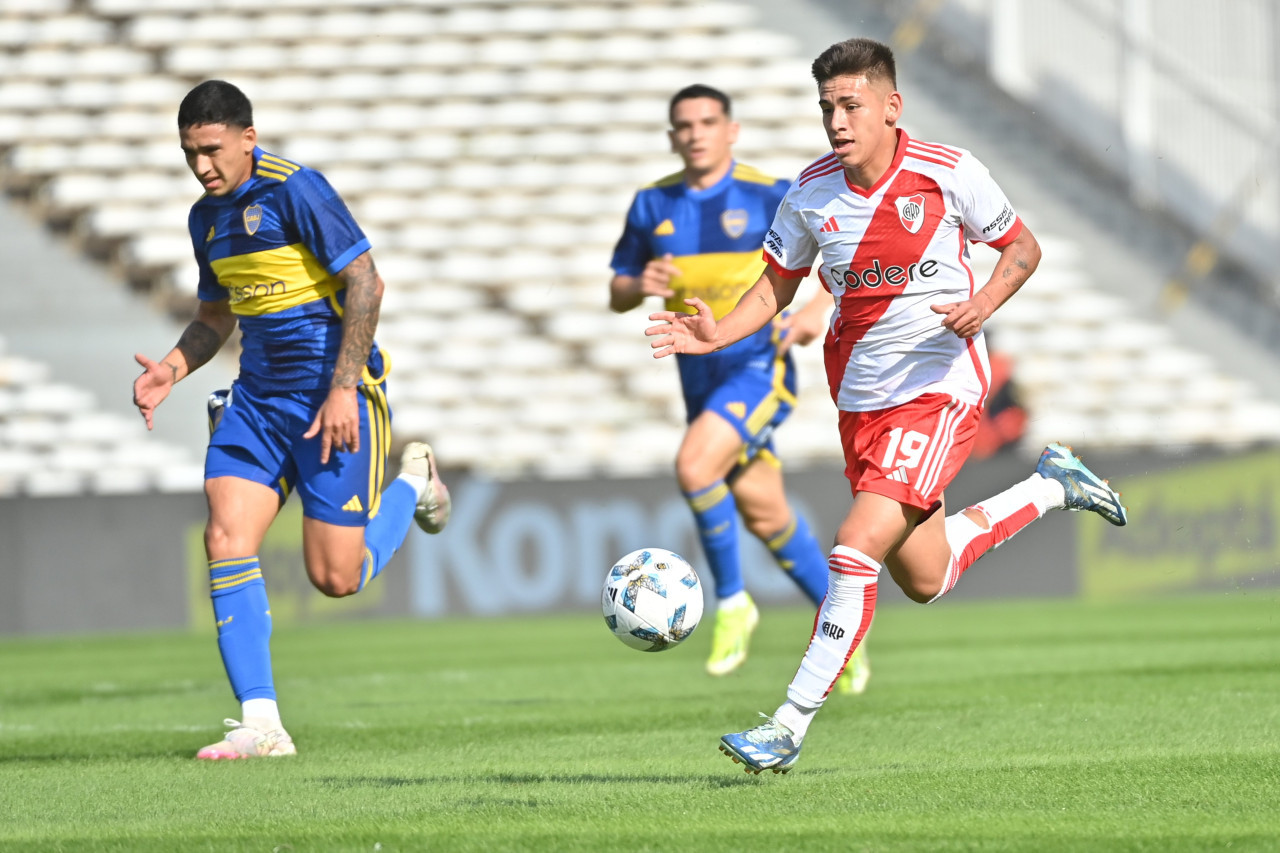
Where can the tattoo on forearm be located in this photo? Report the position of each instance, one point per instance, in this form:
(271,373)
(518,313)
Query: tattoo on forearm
(359,320)
(198,344)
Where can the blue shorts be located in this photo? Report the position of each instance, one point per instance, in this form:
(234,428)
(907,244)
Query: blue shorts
(259,438)
(755,396)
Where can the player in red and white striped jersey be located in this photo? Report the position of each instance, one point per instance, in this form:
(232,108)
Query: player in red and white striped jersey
(888,220)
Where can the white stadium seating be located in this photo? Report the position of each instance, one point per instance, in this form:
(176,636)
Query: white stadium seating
(490,148)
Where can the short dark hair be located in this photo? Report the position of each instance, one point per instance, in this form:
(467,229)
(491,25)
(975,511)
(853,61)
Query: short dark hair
(215,102)
(699,90)
(856,57)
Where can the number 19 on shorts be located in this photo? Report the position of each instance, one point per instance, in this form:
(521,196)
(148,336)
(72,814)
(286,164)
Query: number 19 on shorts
(906,448)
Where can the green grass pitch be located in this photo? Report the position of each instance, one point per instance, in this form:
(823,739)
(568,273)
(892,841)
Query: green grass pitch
(1010,726)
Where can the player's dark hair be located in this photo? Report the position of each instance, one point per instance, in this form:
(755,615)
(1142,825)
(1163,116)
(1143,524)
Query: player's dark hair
(856,57)
(215,102)
(699,90)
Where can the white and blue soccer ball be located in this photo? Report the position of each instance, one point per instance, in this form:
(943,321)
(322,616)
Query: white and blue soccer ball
(652,599)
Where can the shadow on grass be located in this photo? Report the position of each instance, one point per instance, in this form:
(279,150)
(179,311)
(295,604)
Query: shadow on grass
(100,693)
(698,780)
(94,758)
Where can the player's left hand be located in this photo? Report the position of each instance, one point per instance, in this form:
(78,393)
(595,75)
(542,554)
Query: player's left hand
(801,327)
(965,318)
(337,423)
(691,334)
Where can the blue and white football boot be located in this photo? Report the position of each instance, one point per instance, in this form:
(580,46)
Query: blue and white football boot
(1085,490)
(769,746)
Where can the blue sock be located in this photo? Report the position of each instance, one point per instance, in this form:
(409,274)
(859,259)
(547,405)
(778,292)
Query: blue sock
(800,555)
(387,529)
(244,625)
(717,515)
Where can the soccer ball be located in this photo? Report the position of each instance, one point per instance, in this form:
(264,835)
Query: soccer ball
(652,599)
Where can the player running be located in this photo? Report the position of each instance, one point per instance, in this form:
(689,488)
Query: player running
(887,218)
(280,255)
(697,233)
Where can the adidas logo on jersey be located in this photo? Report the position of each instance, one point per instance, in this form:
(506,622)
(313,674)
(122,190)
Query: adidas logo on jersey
(665,228)
(899,475)
(353,505)
(830,225)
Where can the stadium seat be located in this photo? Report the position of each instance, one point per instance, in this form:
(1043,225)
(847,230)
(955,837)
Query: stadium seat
(27,94)
(50,483)
(119,481)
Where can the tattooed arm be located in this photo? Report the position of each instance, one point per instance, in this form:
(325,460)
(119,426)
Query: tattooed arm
(1018,261)
(338,421)
(200,341)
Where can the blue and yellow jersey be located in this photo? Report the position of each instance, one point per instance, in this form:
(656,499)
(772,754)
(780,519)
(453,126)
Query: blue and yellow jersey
(715,236)
(274,248)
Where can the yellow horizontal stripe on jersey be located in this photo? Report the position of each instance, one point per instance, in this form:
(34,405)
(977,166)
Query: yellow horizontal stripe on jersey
(752,175)
(274,280)
(263,172)
(717,278)
(669,181)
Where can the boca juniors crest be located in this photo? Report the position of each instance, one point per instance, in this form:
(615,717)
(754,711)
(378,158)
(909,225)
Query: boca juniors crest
(734,223)
(252,219)
(910,211)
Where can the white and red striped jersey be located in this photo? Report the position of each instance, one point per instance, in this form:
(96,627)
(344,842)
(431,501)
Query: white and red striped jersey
(887,254)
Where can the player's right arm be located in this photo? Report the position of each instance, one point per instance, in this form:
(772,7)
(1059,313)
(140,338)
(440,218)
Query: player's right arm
(628,291)
(698,334)
(199,342)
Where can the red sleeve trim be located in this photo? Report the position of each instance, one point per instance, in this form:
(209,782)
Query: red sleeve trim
(1008,236)
(786,273)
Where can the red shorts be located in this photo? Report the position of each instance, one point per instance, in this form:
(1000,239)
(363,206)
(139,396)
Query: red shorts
(909,453)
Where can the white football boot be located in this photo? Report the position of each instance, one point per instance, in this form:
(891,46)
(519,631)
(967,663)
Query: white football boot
(434,504)
(250,739)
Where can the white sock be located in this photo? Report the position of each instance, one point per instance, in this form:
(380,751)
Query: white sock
(1005,514)
(795,718)
(262,710)
(419,483)
(842,622)
(1053,495)
(738,599)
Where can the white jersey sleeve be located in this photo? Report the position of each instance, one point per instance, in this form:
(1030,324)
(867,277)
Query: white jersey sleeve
(790,246)
(987,214)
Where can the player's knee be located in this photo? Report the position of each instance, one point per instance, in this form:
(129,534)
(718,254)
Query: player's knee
(921,592)
(767,525)
(691,473)
(336,585)
(758,528)
(221,543)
